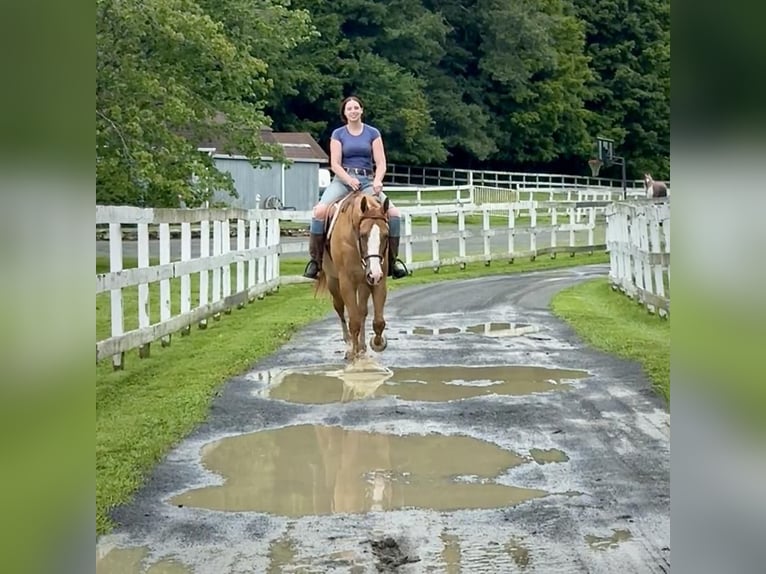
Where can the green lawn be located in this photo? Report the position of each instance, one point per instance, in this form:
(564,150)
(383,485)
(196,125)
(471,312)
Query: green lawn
(614,323)
(143,411)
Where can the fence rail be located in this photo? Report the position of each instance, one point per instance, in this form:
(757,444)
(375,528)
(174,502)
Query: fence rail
(638,239)
(229,257)
(436,176)
(254,258)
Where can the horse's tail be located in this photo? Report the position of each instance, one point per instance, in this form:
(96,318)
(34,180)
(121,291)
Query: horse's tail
(321,283)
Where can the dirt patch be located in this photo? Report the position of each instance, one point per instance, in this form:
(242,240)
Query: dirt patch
(390,555)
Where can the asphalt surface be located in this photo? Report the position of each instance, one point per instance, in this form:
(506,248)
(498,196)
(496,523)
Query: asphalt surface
(602,506)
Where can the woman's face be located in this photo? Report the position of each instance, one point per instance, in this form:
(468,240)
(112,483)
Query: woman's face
(352,110)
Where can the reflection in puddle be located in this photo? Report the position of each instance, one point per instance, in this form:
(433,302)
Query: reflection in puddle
(486,329)
(518,552)
(502,329)
(606,542)
(417,383)
(544,456)
(314,470)
(283,557)
(451,553)
(281,554)
(129,561)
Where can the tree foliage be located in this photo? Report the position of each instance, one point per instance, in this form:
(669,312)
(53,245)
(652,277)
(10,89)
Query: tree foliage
(174,73)
(507,84)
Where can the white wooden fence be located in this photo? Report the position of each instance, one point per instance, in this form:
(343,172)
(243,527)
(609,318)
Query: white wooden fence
(638,240)
(232,256)
(441,176)
(255,257)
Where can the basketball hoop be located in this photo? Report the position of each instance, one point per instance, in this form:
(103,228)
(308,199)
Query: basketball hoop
(595,165)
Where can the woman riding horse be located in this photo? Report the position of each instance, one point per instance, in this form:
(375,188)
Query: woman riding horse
(353,147)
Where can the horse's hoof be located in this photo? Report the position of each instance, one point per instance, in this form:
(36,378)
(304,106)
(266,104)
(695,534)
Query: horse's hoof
(379,348)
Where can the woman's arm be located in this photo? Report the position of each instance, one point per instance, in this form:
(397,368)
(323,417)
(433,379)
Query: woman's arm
(379,155)
(336,158)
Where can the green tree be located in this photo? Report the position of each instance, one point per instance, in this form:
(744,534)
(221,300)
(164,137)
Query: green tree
(173,73)
(629,48)
(535,72)
(377,51)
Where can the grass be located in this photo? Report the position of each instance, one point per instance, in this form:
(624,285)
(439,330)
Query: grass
(612,322)
(143,411)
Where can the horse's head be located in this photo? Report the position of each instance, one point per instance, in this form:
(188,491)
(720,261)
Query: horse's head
(648,181)
(373,237)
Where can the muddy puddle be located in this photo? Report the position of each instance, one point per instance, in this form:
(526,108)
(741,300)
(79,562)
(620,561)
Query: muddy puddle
(133,561)
(414,383)
(546,456)
(491,329)
(607,542)
(491,558)
(318,470)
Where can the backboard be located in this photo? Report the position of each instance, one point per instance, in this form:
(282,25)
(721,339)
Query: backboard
(605,149)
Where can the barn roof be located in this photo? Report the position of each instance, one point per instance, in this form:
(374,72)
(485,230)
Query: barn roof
(298,146)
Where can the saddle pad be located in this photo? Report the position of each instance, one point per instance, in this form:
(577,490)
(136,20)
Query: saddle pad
(333,215)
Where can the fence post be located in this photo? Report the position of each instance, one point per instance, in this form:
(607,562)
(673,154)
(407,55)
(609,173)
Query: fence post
(407,238)
(434,239)
(165,283)
(185,278)
(204,275)
(485,227)
(511,230)
(461,233)
(115,264)
(217,245)
(143,288)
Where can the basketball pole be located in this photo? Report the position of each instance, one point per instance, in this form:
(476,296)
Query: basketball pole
(624,180)
(606,154)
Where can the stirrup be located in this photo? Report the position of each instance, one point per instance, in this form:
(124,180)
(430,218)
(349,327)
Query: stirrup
(311,272)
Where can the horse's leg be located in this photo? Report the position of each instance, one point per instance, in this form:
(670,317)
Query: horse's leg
(337,303)
(348,293)
(363,293)
(378,342)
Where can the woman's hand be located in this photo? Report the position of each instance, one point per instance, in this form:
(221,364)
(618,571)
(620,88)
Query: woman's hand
(377,186)
(354,184)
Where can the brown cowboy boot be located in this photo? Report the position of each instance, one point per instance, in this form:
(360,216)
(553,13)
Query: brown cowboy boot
(396,267)
(316,251)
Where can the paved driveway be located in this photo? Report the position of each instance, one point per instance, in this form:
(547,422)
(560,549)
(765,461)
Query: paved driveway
(486,438)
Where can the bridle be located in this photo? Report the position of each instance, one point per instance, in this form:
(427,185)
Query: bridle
(366,258)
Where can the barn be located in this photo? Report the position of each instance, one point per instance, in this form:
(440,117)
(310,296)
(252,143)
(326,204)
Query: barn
(292,185)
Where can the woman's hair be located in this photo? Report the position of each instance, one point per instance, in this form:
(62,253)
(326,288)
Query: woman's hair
(343,105)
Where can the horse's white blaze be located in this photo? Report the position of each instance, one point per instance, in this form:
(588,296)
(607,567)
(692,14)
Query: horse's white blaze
(373,248)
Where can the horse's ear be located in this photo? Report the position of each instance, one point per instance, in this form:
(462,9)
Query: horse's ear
(363,204)
(386,203)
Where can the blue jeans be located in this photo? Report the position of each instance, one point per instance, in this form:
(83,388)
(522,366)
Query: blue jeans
(338,190)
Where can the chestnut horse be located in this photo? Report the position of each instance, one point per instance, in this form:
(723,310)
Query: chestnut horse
(654,188)
(355,267)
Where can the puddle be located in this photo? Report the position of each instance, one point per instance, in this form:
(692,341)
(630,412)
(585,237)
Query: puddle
(317,470)
(545,456)
(604,543)
(281,554)
(283,557)
(502,329)
(487,329)
(417,383)
(450,553)
(129,561)
(518,552)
